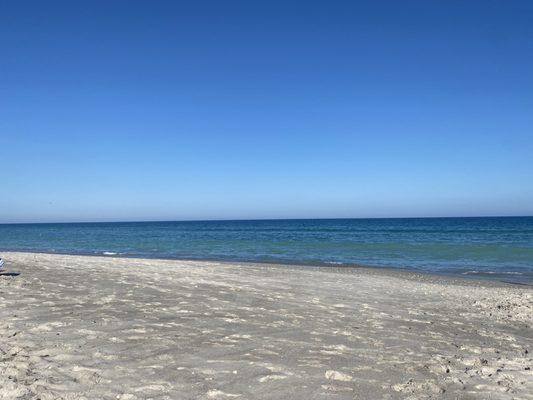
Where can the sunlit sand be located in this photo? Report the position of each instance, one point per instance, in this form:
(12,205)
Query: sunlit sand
(75,327)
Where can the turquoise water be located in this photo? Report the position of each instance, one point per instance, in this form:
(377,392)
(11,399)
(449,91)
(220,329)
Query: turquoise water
(499,248)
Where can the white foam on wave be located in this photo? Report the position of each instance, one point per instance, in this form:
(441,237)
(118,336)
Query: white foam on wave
(493,273)
(109,253)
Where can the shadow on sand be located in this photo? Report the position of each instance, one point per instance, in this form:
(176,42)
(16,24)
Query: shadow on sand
(9,273)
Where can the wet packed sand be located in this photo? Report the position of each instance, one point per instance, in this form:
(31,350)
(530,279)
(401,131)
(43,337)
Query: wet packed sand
(79,327)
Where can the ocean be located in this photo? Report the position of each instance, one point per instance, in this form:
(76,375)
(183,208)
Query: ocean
(495,247)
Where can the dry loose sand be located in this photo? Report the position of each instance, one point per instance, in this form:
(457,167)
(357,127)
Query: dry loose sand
(74,327)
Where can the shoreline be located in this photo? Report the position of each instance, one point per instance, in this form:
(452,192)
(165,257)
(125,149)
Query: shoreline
(104,327)
(478,278)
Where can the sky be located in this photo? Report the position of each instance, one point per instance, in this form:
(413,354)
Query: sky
(156,110)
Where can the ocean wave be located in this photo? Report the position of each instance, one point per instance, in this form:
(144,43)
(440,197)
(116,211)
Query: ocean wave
(492,273)
(109,253)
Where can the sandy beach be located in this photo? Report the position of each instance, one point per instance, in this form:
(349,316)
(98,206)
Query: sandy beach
(80,327)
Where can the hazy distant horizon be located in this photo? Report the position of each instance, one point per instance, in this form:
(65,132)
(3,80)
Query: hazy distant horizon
(260,219)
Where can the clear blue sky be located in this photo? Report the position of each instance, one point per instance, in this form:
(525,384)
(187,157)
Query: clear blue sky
(160,110)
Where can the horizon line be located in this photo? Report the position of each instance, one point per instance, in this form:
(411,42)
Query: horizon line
(260,219)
